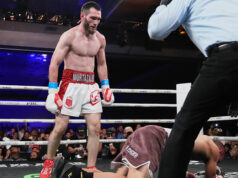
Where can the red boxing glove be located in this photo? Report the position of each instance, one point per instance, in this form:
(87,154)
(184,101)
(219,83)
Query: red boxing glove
(108,97)
(190,175)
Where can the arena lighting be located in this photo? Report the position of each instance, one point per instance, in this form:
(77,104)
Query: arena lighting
(181,30)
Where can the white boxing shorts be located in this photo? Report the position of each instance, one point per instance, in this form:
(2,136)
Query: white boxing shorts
(79,93)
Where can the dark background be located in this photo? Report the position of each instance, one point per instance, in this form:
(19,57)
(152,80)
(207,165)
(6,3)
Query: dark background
(134,61)
(31,69)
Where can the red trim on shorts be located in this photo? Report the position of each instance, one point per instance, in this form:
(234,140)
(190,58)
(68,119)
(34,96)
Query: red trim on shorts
(68,76)
(63,87)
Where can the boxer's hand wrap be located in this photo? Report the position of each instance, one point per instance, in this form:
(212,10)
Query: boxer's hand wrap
(53,101)
(108,97)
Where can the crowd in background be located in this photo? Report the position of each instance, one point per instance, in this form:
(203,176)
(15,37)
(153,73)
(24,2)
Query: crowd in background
(68,151)
(230,147)
(79,151)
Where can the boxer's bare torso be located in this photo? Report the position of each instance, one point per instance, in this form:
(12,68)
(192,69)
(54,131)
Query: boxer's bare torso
(78,47)
(82,49)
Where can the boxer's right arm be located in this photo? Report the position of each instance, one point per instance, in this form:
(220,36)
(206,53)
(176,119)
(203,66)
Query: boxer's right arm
(59,54)
(53,101)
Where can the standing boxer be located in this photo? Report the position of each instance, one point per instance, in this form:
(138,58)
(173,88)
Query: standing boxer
(78,93)
(212,26)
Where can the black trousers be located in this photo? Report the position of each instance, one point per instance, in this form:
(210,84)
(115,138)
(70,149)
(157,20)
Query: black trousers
(215,86)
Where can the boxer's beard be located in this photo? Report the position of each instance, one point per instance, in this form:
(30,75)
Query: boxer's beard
(87,27)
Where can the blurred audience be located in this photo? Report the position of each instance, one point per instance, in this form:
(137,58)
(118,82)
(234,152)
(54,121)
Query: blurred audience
(215,130)
(227,149)
(138,126)
(78,151)
(14,154)
(81,149)
(120,132)
(128,130)
(108,150)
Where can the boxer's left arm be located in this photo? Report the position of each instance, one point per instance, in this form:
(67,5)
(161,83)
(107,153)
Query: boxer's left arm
(207,151)
(168,18)
(103,73)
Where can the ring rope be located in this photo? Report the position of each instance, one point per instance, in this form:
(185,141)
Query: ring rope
(11,142)
(80,121)
(224,138)
(19,87)
(39,103)
(111,121)
(14,142)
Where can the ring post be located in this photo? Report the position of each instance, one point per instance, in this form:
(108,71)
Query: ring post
(182,92)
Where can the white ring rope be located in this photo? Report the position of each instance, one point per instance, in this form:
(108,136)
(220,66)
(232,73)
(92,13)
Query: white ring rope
(13,142)
(39,103)
(111,121)
(80,121)
(223,138)
(19,87)
(23,103)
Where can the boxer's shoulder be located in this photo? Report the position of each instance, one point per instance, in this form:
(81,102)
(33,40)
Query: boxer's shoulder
(100,37)
(68,35)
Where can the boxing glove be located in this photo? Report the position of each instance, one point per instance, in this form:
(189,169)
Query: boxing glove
(190,175)
(53,101)
(108,97)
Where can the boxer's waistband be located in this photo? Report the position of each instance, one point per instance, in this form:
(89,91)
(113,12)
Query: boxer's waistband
(74,76)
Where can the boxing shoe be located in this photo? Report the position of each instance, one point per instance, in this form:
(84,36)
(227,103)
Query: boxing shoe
(52,168)
(47,169)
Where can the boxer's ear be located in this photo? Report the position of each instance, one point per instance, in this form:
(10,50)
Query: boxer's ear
(82,15)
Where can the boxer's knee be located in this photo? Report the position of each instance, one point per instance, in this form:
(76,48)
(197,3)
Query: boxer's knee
(94,129)
(59,131)
(93,123)
(61,124)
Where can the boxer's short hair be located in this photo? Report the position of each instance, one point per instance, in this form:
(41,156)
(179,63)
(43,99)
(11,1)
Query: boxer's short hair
(90,4)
